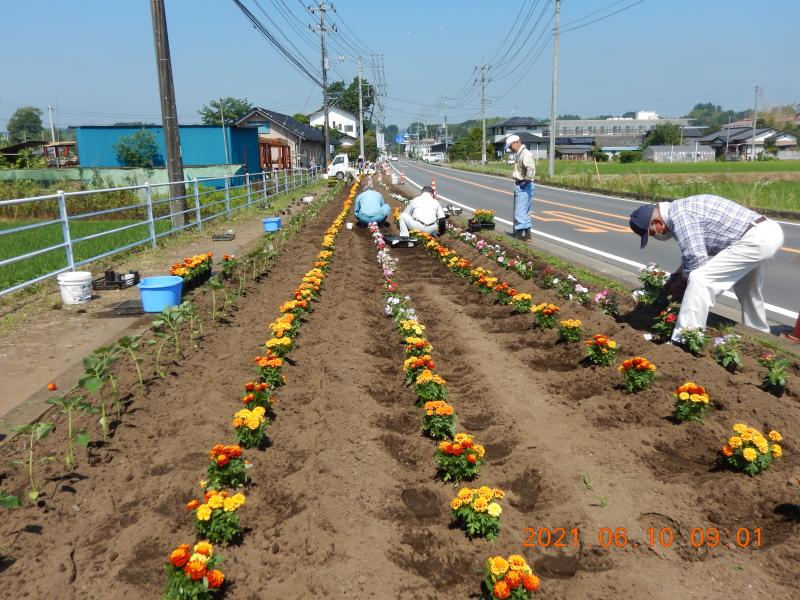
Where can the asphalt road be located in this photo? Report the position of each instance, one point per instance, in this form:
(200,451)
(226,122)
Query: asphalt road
(597,226)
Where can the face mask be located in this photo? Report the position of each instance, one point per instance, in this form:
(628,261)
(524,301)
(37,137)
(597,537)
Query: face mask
(663,237)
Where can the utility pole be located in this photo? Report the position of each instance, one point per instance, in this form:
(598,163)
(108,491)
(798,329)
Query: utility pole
(551,153)
(53,134)
(169,114)
(321,8)
(484,68)
(224,135)
(755,112)
(445,124)
(360,113)
(727,137)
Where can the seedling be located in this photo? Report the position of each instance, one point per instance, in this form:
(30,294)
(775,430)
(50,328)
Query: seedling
(190,314)
(215,284)
(68,406)
(168,324)
(694,338)
(8,501)
(726,351)
(35,432)
(586,482)
(98,372)
(130,345)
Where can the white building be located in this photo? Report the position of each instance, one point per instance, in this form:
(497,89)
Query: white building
(337,119)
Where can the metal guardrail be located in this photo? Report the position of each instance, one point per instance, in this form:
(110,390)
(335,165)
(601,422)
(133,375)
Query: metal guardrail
(206,198)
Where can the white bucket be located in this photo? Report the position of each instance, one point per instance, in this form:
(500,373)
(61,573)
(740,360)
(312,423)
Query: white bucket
(76,287)
(349,225)
(395,179)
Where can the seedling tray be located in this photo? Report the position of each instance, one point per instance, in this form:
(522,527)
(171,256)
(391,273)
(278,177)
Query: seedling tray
(395,241)
(129,307)
(102,283)
(223,237)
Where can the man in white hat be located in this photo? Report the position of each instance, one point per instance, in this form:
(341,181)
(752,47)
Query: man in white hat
(524,171)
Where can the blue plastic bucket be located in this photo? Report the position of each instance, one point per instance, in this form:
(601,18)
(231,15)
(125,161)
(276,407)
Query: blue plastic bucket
(160,292)
(271,223)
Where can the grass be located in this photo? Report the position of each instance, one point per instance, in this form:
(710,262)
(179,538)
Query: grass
(768,185)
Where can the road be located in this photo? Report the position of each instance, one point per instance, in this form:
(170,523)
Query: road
(597,225)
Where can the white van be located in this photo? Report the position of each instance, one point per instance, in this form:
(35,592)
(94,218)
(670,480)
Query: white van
(433,157)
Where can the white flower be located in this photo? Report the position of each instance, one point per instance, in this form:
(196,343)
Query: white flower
(555,281)
(501,259)
(571,278)
(648,337)
(579,289)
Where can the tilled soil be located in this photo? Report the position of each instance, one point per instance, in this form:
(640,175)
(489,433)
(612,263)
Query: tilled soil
(345,503)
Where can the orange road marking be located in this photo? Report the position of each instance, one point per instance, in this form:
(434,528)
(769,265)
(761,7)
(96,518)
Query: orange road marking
(584,224)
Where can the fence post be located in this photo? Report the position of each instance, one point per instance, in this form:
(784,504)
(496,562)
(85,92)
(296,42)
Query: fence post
(247,182)
(151,224)
(62,211)
(286,179)
(275,177)
(264,185)
(227,197)
(197,213)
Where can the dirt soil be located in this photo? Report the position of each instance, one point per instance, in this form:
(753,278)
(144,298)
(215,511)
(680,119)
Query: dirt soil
(347,488)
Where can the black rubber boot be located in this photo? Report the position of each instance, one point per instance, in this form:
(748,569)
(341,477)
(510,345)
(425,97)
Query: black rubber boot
(526,235)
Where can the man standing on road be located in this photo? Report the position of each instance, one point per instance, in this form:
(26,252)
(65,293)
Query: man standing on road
(723,245)
(524,171)
(423,213)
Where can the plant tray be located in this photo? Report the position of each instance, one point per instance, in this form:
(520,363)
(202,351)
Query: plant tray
(223,237)
(477,225)
(101,283)
(451,210)
(395,241)
(129,307)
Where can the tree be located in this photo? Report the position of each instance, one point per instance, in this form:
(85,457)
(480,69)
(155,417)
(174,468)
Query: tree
(233,108)
(139,149)
(469,146)
(631,114)
(346,96)
(29,159)
(301,118)
(25,124)
(663,134)
(713,116)
(568,117)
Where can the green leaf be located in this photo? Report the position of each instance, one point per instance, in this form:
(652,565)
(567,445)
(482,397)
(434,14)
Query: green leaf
(8,501)
(42,430)
(82,438)
(92,384)
(33,495)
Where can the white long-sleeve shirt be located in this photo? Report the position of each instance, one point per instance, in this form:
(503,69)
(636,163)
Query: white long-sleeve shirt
(425,209)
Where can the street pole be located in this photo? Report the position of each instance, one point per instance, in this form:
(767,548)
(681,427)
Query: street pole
(321,8)
(755,112)
(728,137)
(169,114)
(445,124)
(360,113)
(483,113)
(224,135)
(53,134)
(552,149)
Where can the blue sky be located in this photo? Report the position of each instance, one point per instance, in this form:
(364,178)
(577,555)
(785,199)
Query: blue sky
(94,60)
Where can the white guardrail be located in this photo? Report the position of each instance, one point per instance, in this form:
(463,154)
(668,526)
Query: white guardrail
(204,199)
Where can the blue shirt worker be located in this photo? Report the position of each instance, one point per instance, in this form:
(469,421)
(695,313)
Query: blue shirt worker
(371,207)
(523,174)
(723,245)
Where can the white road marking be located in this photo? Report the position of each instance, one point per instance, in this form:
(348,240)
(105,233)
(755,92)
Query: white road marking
(770,307)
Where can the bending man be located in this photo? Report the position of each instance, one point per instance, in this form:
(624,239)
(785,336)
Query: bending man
(423,213)
(370,206)
(723,245)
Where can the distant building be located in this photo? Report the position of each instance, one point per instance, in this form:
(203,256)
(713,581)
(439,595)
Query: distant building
(736,143)
(685,153)
(337,119)
(201,145)
(535,143)
(283,142)
(519,125)
(615,126)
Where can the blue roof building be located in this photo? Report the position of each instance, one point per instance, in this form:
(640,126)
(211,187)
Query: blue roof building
(201,145)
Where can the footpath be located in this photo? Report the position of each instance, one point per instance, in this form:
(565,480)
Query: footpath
(49,343)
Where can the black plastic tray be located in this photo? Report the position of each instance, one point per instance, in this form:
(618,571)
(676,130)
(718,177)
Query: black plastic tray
(101,283)
(223,237)
(129,307)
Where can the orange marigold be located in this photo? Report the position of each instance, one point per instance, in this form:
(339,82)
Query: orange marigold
(179,556)
(215,578)
(531,582)
(195,569)
(501,590)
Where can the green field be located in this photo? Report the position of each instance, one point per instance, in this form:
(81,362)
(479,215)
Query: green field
(23,242)
(761,185)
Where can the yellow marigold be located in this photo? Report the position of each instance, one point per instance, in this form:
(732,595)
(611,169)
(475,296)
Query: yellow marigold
(480,450)
(498,493)
(460,438)
(230,505)
(439,380)
(749,454)
(517,562)
(204,547)
(455,503)
(747,435)
(762,445)
(683,395)
(521,297)
(443,445)
(740,428)
(259,411)
(203,512)
(486,492)
(775,436)
(216,501)
(777,451)
(498,566)
(238,498)
(424,377)
(494,510)
(253,423)
(735,442)
(465,494)
(480,504)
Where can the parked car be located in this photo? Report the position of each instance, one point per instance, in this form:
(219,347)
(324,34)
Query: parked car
(394,158)
(433,157)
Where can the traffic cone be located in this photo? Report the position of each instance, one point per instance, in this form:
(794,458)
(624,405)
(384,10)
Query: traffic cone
(795,335)
(402,176)
(433,185)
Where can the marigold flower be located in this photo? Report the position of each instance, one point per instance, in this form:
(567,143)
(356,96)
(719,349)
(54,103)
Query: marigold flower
(498,493)
(777,451)
(472,459)
(480,504)
(222,460)
(727,450)
(192,504)
(465,494)
(513,579)
(775,436)
(215,578)
(52,386)
(180,556)
(455,503)
(494,509)
(196,570)
(501,590)
(498,566)
(735,442)
(216,501)
(531,582)
(749,454)
(517,562)
(204,512)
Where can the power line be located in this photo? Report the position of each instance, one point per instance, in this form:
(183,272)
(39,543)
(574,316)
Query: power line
(616,12)
(288,40)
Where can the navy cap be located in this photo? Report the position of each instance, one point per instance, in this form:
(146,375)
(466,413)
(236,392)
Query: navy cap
(640,221)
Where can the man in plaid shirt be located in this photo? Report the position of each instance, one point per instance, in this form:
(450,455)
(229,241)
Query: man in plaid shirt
(723,245)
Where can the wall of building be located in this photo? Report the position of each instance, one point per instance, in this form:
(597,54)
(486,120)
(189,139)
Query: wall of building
(113,177)
(200,145)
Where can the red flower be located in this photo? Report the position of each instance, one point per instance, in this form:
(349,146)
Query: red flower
(52,386)
(472,459)
(671,319)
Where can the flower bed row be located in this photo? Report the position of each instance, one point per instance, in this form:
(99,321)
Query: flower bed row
(192,571)
(750,454)
(457,456)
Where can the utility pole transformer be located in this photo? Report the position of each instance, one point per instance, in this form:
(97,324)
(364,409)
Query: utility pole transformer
(551,153)
(169,114)
(321,8)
